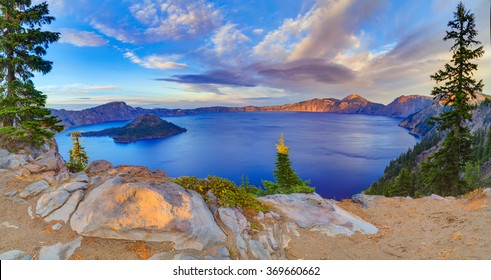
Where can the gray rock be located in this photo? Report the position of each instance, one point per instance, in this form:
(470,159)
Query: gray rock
(214,258)
(274,215)
(222,252)
(292,227)
(233,219)
(185,257)
(366,200)
(57,226)
(51,201)
(310,211)
(264,241)
(242,247)
(487,191)
(51,161)
(160,256)
(18,201)
(73,186)
(34,189)
(11,161)
(99,166)
(258,251)
(64,212)
(80,177)
(147,211)
(12,255)
(30,212)
(59,251)
(34,168)
(272,240)
(10,194)
(434,197)
(260,216)
(285,240)
(62,176)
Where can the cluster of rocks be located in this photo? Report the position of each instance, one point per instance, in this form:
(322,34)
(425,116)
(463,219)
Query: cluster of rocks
(136,203)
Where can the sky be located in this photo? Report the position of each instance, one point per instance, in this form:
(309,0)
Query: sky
(194,53)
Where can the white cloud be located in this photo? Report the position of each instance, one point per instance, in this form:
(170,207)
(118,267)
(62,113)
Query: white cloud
(120,34)
(155,61)
(324,32)
(228,39)
(82,38)
(258,31)
(176,19)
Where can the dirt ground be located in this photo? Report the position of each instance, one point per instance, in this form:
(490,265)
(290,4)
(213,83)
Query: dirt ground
(408,229)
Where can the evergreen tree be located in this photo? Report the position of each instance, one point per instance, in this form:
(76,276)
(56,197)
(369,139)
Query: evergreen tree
(287,181)
(78,157)
(455,87)
(23,115)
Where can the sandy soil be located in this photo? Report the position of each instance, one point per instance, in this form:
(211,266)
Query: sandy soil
(408,229)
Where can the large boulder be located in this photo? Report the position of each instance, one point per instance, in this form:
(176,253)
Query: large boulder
(146,211)
(311,211)
(11,161)
(51,161)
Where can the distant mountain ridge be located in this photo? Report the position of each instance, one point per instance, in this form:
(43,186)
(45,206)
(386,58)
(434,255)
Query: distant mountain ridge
(352,104)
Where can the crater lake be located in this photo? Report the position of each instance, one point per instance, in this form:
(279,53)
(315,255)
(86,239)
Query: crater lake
(342,154)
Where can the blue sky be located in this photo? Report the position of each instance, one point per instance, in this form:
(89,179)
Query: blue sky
(186,54)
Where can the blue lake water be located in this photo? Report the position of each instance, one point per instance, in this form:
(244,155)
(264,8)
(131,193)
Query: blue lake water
(342,154)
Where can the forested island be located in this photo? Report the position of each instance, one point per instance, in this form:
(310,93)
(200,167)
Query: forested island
(143,127)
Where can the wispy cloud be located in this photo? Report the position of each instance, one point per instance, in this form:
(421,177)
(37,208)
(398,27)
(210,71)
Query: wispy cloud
(227,40)
(176,19)
(82,38)
(125,35)
(155,61)
(74,89)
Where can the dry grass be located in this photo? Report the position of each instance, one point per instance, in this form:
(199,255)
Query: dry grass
(475,194)
(475,200)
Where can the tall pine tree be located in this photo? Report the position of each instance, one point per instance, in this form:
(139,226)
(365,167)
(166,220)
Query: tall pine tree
(78,157)
(23,115)
(287,180)
(455,87)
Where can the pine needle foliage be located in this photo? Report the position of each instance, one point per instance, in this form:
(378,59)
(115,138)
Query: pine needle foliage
(23,116)
(78,157)
(286,179)
(455,88)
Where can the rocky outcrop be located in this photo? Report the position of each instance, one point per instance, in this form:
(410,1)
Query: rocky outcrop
(147,211)
(310,211)
(351,104)
(59,251)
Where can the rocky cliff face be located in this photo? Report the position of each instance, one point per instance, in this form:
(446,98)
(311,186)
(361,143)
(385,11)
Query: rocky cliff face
(352,104)
(417,123)
(404,106)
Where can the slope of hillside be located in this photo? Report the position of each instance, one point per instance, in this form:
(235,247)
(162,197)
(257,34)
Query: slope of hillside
(352,104)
